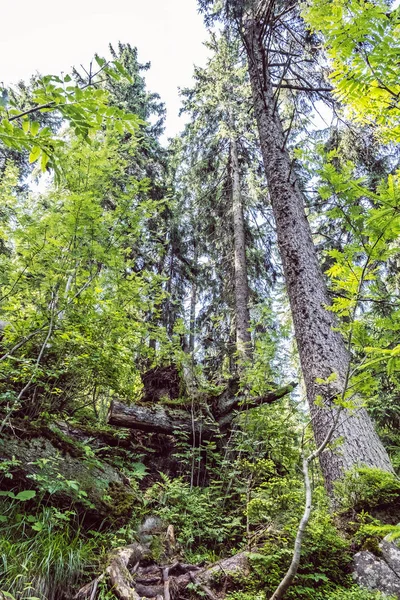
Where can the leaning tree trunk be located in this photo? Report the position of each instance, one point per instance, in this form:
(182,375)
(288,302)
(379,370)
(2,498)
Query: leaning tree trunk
(243,336)
(322,349)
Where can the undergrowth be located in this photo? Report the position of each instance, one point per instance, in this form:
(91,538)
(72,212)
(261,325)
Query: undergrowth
(44,554)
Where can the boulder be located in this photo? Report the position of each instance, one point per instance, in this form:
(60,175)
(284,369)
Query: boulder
(59,469)
(379,573)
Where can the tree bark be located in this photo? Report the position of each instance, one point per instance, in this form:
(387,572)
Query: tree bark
(193,302)
(243,336)
(159,419)
(322,349)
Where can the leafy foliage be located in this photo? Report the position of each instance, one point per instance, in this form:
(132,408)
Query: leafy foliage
(364,488)
(363,42)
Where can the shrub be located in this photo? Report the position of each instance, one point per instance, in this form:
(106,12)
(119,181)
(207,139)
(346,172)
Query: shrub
(363,488)
(196,514)
(324,565)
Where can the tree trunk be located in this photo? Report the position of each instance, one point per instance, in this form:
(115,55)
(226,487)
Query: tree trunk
(160,419)
(243,337)
(193,302)
(322,350)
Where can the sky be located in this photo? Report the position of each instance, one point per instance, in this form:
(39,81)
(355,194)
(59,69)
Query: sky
(50,36)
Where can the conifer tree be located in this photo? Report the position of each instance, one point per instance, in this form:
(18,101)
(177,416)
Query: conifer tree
(220,177)
(281,55)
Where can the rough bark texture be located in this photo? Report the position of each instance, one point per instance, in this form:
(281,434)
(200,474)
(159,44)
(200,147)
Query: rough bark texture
(166,420)
(322,350)
(243,336)
(193,302)
(158,419)
(121,581)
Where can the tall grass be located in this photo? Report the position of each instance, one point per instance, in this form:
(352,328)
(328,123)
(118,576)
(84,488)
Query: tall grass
(42,555)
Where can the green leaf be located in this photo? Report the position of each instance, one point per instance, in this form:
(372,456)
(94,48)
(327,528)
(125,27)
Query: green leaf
(25,495)
(35,153)
(34,127)
(44,161)
(100,61)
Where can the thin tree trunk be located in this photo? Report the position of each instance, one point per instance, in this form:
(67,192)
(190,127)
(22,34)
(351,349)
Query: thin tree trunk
(322,349)
(243,336)
(193,302)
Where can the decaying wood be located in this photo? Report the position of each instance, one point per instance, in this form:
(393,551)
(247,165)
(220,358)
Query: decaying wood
(226,407)
(118,575)
(149,591)
(121,581)
(166,582)
(210,594)
(165,573)
(161,419)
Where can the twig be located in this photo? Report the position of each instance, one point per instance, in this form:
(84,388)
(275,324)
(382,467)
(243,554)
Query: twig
(165,573)
(294,565)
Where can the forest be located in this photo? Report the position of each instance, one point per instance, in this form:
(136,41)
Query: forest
(199,339)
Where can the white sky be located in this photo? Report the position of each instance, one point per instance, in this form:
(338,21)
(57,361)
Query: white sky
(50,36)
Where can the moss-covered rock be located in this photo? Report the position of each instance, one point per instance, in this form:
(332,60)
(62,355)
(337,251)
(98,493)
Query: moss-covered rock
(61,468)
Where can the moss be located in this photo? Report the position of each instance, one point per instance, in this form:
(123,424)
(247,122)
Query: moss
(44,428)
(118,502)
(365,488)
(372,545)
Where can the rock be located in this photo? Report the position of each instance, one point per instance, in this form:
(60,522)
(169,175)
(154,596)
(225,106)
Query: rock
(234,565)
(57,470)
(381,574)
(391,555)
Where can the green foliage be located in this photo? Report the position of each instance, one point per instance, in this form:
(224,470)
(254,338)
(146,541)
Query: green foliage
(357,593)
(94,277)
(364,488)
(84,317)
(246,596)
(197,514)
(362,39)
(324,562)
(42,554)
(86,109)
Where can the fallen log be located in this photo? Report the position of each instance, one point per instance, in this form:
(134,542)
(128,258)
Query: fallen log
(161,419)
(121,581)
(161,581)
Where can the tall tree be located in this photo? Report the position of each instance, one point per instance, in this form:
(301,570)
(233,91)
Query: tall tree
(222,176)
(281,56)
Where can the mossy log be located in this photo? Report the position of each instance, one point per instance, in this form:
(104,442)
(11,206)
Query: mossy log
(161,419)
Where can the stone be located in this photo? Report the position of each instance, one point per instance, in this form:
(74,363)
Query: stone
(379,573)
